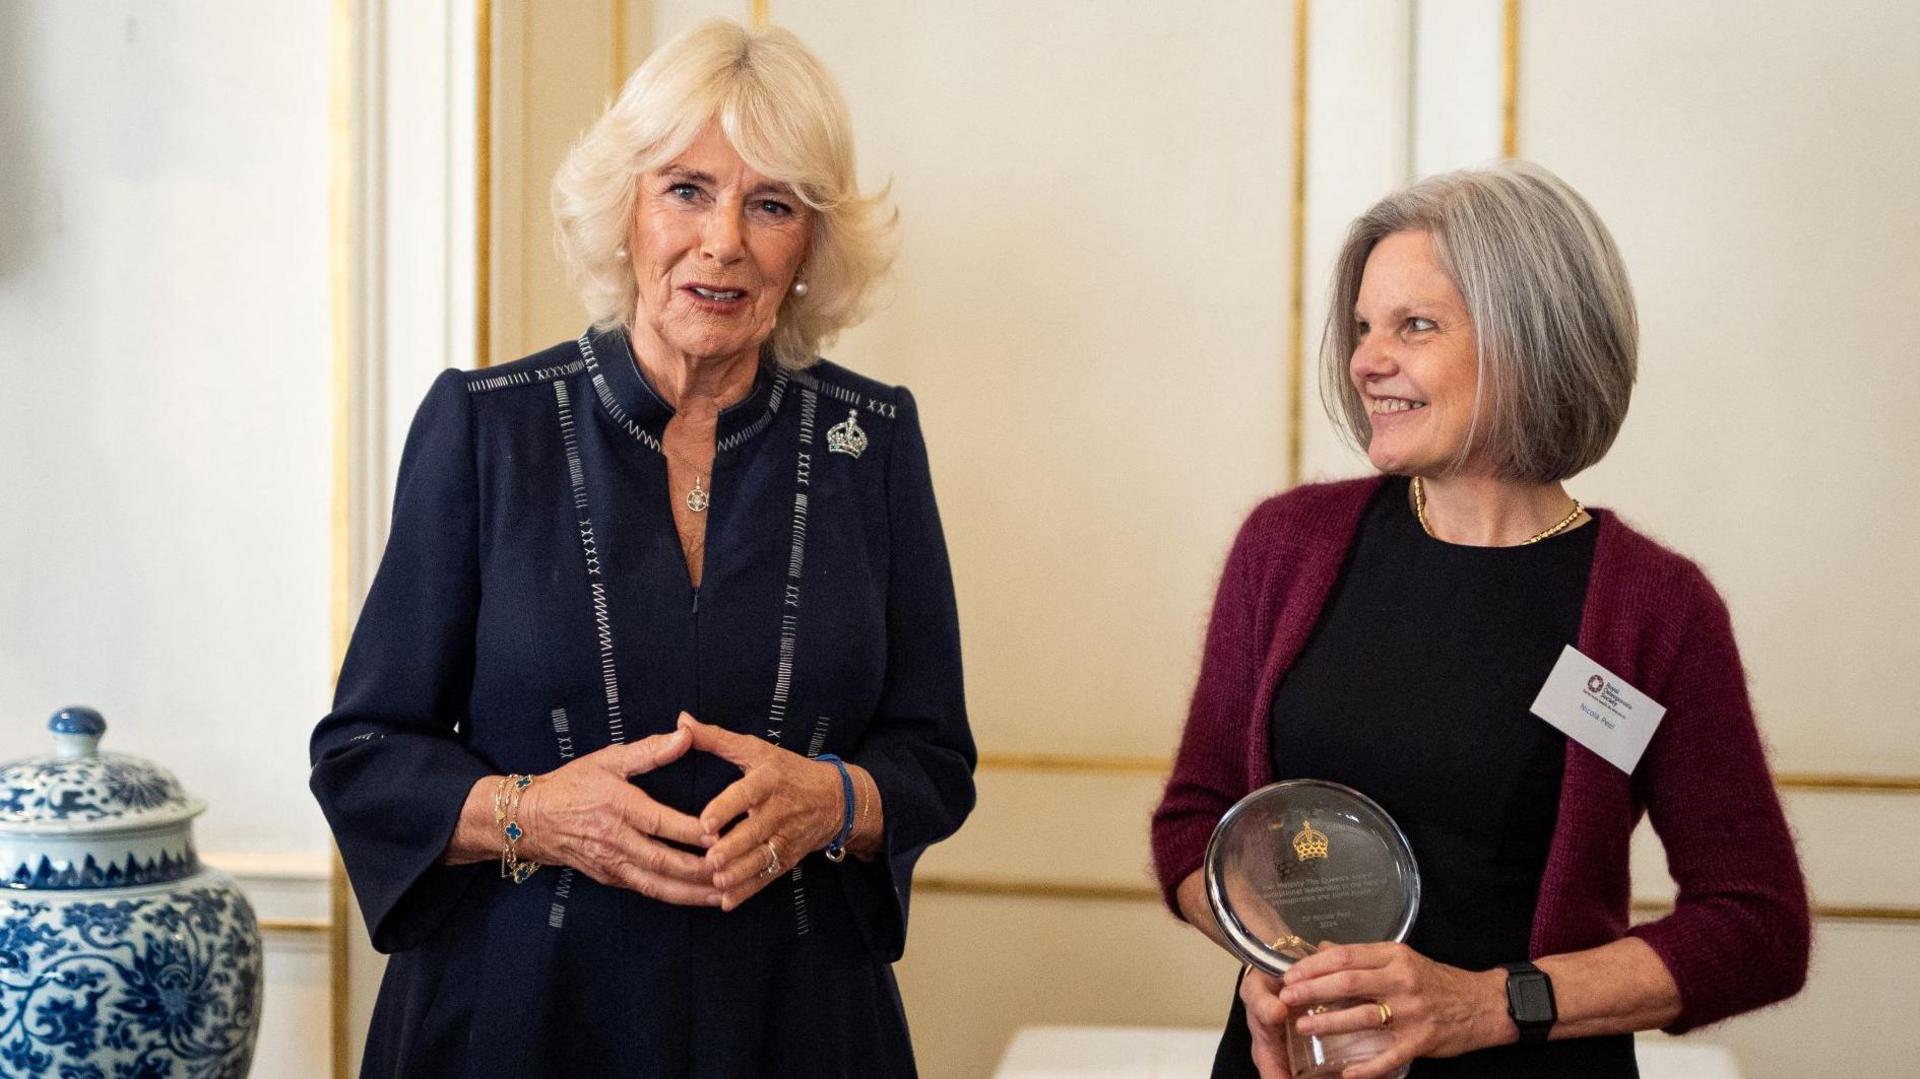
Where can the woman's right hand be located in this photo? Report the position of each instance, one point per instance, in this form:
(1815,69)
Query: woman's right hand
(586,815)
(1267,1022)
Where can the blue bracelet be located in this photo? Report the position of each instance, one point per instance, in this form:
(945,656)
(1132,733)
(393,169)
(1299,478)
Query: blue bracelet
(837,848)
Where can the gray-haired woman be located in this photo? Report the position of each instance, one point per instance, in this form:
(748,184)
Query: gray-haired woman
(1396,634)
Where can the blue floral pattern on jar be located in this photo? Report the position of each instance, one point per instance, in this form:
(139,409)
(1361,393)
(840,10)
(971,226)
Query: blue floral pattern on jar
(163,985)
(98,787)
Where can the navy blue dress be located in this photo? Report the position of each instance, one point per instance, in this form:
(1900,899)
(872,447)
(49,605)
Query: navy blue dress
(533,605)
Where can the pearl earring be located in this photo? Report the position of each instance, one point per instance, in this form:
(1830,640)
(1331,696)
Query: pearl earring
(799,287)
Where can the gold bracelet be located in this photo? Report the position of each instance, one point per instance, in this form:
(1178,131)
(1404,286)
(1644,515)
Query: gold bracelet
(506,814)
(866,808)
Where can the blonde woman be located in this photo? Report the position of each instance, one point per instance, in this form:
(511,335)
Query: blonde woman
(656,698)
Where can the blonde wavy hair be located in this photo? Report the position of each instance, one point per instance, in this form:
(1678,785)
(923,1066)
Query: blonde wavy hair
(784,116)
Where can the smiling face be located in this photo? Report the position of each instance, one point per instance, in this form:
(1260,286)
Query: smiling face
(715,247)
(1415,358)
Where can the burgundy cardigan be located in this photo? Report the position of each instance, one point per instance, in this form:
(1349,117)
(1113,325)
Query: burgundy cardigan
(1739,934)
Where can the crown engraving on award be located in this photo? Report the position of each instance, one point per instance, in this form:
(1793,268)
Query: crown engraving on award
(847,437)
(1310,842)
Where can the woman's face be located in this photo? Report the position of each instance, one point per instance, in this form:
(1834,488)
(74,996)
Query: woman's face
(715,247)
(1415,361)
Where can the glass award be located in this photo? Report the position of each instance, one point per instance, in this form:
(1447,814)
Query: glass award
(1304,863)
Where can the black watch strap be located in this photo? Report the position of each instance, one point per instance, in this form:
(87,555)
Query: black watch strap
(1530,1001)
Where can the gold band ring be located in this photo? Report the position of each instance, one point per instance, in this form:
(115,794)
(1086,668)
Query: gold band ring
(773,860)
(1386,1014)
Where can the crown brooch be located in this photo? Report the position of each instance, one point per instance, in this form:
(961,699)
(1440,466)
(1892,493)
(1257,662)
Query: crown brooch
(1310,842)
(847,437)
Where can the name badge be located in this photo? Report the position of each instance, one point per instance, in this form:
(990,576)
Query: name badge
(1598,709)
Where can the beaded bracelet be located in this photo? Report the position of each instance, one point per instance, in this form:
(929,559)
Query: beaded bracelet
(506,813)
(837,847)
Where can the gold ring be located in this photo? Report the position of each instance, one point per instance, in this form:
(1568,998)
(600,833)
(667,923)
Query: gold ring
(773,860)
(1386,1014)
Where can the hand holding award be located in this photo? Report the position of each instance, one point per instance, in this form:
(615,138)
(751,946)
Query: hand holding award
(1302,863)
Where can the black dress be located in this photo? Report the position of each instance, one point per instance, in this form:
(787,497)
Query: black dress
(1416,689)
(532,606)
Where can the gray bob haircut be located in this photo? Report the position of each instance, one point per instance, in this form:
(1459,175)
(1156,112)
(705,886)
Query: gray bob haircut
(784,116)
(1551,309)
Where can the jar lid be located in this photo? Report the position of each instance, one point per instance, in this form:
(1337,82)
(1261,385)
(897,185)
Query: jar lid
(78,789)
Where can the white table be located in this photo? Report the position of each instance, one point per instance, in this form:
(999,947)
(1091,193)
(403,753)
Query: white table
(1182,1053)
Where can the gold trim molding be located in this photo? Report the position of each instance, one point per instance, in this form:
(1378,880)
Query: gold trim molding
(1845,782)
(1510,80)
(1821,912)
(1297,254)
(1091,763)
(939,884)
(297,927)
(1083,891)
(1111,764)
(342,243)
(483,182)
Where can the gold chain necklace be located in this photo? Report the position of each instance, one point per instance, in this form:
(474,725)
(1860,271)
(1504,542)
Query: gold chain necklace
(1564,523)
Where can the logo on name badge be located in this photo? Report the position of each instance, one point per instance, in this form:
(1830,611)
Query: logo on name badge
(1595,684)
(847,437)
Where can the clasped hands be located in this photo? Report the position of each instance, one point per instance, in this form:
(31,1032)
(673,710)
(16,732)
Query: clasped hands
(586,815)
(1436,1010)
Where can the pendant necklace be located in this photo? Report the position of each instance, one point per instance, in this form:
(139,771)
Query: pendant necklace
(1552,530)
(699,498)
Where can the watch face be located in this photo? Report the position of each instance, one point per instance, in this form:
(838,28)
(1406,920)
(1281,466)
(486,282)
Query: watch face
(1531,997)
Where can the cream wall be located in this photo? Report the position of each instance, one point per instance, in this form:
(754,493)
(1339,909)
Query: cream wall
(164,425)
(1752,162)
(1092,305)
(1078,375)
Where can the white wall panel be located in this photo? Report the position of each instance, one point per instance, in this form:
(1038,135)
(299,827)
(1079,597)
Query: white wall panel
(1753,164)
(979,967)
(1750,161)
(1090,307)
(296,971)
(1457,63)
(1360,133)
(164,350)
(166,347)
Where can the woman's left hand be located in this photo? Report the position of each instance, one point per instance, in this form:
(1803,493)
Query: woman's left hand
(1437,1010)
(794,803)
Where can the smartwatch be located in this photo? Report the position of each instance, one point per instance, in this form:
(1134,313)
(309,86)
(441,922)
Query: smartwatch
(1530,1000)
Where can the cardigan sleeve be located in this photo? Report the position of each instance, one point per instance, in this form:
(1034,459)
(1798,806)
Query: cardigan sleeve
(391,768)
(918,747)
(1740,933)
(1210,769)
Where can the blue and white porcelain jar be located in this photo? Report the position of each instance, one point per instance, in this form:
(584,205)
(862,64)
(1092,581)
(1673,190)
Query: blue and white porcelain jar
(121,956)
